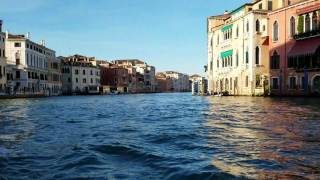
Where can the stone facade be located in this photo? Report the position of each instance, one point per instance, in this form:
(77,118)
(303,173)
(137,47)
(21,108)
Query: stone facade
(80,75)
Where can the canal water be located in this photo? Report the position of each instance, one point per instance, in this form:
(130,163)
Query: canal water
(159,136)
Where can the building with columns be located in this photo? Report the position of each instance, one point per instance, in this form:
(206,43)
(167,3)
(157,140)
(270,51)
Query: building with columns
(295,48)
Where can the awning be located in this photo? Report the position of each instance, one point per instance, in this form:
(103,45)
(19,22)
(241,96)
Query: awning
(226,53)
(227,27)
(304,47)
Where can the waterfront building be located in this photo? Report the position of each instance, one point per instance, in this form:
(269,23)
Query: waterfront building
(295,48)
(180,81)
(54,76)
(80,75)
(114,78)
(238,50)
(199,85)
(27,65)
(3,79)
(164,83)
(141,75)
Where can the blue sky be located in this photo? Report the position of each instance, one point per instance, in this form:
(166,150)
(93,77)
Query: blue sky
(169,34)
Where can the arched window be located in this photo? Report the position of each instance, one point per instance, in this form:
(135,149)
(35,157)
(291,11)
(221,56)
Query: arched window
(257,55)
(258,25)
(314,21)
(307,23)
(247,26)
(292,26)
(275,31)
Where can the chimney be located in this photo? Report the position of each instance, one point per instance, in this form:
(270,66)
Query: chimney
(43,43)
(226,12)
(0,25)
(28,35)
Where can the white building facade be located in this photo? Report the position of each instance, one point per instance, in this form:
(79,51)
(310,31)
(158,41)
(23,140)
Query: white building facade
(27,65)
(238,51)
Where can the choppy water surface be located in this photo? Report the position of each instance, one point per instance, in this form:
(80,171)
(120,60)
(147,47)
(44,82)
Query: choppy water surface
(159,136)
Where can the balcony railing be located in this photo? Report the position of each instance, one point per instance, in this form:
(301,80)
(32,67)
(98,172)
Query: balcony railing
(306,35)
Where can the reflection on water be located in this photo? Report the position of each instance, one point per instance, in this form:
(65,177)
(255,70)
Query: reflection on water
(264,137)
(160,136)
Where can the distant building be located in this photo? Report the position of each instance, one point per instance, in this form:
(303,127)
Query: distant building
(54,76)
(141,75)
(164,83)
(294,49)
(27,65)
(114,78)
(199,85)
(180,82)
(80,75)
(3,79)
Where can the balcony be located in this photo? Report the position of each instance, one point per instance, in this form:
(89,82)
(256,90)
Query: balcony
(307,35)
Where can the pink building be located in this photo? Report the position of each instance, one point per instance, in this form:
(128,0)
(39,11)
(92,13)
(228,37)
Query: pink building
(294,49)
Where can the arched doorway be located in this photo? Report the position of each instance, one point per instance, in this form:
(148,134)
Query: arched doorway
(316,84)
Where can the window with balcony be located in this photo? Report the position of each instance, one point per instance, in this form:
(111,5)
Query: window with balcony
(275,31)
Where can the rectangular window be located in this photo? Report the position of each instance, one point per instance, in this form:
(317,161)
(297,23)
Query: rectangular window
(84,80)
(247,81)
(260,6)
(17,44)
(247,57)
(270,5)
(275,83)
(17,74)
(292,83)
(76,71)
(303,83)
